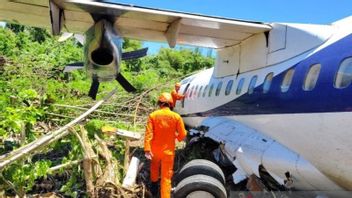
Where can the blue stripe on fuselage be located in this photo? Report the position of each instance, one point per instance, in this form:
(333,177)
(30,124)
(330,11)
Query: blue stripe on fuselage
(323,98)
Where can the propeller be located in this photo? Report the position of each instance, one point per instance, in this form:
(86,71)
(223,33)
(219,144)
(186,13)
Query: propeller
(108,39)
(93,91)
(94,87)
(124,83)
(134,54)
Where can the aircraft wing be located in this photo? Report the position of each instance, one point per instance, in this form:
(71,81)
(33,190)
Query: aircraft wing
(131,21)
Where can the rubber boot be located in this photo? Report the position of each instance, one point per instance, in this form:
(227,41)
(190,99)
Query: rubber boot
(154,189)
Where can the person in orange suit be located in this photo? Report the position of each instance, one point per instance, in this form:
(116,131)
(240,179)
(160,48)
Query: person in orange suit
(163,128)
(175,95)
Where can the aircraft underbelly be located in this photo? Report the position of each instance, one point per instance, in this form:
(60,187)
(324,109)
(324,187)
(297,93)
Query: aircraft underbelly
(251,152)
(325,140)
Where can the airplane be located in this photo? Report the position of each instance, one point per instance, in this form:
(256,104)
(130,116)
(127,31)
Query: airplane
(277,100)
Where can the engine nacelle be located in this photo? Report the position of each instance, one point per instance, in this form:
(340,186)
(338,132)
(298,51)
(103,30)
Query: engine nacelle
(103,51)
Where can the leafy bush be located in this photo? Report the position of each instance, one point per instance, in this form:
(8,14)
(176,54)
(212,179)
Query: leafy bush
(32,80)
(23,175)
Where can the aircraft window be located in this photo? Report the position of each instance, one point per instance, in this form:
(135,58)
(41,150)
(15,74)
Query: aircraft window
(195,92)
(185,93)
(344,74)
(191,92)
(211,89)
(200,91)
(267,82)
(252,84)
(228,87)
(239,86)
(205,90)
(312,77)
(218,88)
(287,80)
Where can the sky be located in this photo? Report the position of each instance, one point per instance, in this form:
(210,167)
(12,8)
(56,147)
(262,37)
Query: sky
(301,11)
(293,11)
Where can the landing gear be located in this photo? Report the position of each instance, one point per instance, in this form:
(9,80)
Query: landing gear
(200,186)
(200,166)
(200,178)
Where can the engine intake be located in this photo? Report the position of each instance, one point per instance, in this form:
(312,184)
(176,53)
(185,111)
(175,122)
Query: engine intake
(102,56)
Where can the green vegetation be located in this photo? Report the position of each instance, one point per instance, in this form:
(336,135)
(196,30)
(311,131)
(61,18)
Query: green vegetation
(32,85)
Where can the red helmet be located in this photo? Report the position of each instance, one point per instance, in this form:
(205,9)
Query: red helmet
(166,97)
(178,84)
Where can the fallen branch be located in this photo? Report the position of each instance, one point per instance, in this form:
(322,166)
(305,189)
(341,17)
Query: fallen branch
(64,166)
(88,164)
(97,111)
(44,140)
(107,183)
(108,121)
(61,116)
(109,174)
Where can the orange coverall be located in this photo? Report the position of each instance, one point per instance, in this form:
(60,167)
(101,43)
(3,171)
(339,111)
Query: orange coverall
(163,127)
(176,96)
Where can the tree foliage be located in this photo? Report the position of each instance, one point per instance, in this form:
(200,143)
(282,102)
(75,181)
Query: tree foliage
(31,81)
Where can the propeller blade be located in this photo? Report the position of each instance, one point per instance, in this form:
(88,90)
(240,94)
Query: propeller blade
(124,83)
(134,54)
(74,66)
(93,91)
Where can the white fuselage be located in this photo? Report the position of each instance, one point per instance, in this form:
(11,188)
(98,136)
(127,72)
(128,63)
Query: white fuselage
(314,123)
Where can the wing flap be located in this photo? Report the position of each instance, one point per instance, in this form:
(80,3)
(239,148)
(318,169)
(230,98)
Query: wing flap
(136,22)
(213,33)
(153,24)
(25,8)
(26,19)
(27,14)
(141,24)
(42,3)
(205,41)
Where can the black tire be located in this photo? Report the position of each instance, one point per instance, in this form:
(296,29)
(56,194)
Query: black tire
(200,166)
(200,184)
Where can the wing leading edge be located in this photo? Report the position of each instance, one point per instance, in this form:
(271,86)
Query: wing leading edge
(135,22)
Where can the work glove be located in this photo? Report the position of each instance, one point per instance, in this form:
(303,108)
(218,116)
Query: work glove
(148,155)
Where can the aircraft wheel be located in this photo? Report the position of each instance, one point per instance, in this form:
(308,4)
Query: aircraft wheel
(200,166)
(200,186)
